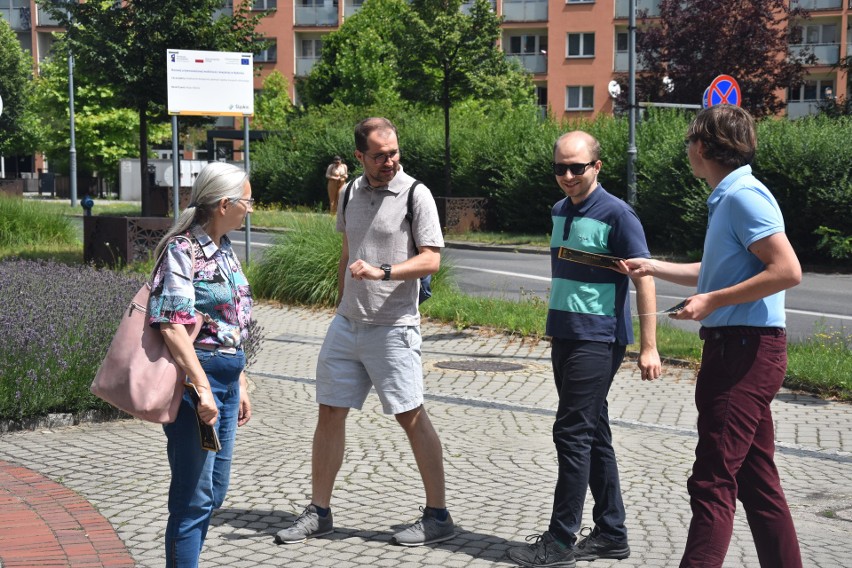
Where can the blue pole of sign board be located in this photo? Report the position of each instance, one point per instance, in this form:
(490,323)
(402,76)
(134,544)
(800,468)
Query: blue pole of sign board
(247,162)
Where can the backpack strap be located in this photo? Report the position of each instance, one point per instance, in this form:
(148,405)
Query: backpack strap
(410,214)
(346,194)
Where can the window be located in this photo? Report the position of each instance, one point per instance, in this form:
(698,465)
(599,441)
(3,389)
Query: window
(581,45)
(814,34)
(579,1)
(310,48)
(621,44)
(811,91)
(541,95)
(270,54)
(579,98)
(527,44)
(264,4)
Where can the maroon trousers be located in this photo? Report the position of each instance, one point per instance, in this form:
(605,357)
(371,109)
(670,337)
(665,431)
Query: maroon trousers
(742,369)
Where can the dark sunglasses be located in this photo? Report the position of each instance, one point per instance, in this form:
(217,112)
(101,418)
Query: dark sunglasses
(575,169)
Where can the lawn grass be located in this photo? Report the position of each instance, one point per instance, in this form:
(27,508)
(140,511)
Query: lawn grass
(101,207)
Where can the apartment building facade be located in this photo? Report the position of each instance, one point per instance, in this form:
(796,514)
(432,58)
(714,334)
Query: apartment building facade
(572,48)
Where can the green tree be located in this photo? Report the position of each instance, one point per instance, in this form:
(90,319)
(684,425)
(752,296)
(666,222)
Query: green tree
(272,106)
(428,52)
(123,45)
(361,62)
(105,132)
(16,122)
(696,40)
(456,57)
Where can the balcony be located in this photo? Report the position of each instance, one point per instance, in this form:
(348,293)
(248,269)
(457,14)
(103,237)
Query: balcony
(325,15)
(304,65)
(826,53)
(803,108)
(622,62)
(531,62)
(817,4)
(468,4)
(18,18)
(651,7)
(45,19)
(525,10)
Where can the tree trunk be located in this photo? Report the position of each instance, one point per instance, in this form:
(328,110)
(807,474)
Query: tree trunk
(448,189)
(143,163)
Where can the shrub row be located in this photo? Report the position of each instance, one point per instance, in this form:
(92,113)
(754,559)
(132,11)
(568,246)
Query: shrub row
(505,154)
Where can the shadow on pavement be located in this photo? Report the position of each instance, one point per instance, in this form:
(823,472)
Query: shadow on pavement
(268,522)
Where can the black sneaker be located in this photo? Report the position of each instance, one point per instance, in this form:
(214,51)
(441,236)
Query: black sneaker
(308,525)
(595,546)
(543,552)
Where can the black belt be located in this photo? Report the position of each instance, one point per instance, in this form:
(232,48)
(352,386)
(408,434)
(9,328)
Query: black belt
(739,331)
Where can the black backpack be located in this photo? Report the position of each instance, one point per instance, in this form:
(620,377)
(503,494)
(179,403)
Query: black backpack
(425,281)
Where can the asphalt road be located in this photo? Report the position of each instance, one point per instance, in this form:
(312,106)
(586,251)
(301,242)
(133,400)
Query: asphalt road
(820,302)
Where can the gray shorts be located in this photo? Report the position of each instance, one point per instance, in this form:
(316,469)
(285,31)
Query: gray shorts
(356,356)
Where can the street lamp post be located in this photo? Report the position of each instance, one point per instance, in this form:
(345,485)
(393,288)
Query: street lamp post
(631,104)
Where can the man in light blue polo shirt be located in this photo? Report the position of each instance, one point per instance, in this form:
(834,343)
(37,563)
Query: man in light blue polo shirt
(748,262)
(589,322)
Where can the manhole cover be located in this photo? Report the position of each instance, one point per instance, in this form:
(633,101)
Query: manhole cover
(486,366)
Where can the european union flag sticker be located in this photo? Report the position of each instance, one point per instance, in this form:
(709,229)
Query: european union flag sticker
(244,61)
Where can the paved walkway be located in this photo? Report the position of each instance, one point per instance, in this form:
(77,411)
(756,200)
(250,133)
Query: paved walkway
(495,427)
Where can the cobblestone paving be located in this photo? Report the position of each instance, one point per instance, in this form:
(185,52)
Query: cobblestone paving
(500,462)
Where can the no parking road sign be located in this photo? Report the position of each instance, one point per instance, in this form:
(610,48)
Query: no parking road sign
(723,90)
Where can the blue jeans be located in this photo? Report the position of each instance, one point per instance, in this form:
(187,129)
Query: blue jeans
(199,477)
(583,371)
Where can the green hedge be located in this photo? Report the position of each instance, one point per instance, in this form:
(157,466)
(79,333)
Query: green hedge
(504,154)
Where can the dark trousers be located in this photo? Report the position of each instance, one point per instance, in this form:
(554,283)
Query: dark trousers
(741,371)
(583,371)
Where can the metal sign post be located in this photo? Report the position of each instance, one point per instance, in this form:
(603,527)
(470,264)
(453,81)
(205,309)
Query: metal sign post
(247,165)
(631,105)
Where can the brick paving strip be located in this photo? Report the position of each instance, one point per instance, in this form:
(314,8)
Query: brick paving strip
(45,524)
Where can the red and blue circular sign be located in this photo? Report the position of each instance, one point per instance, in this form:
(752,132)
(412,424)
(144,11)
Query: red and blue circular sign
(724,90)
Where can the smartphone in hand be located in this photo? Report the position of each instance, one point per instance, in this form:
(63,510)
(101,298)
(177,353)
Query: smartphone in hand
(676,308)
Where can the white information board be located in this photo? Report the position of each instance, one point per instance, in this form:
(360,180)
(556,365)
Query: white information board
(210,83)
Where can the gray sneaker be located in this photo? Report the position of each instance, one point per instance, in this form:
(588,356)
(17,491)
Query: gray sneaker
(308,525)
(427,530)
(543,552)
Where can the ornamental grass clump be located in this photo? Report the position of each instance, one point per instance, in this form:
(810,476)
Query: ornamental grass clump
(58,321)
(24,223)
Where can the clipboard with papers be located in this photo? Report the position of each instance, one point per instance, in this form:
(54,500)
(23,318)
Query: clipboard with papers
(589,258)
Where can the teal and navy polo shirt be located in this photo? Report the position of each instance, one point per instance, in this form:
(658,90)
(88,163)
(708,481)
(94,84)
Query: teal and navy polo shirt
(589,303)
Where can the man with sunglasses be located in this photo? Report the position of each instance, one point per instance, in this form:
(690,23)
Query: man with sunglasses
(374,339)
(590,325)
(747,265)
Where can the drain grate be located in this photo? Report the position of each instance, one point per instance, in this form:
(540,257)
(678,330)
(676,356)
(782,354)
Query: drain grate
(485,366)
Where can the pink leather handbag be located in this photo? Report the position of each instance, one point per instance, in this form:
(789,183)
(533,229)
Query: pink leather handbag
(139,374)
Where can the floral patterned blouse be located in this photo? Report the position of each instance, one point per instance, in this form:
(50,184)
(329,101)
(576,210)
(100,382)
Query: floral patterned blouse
(213,285)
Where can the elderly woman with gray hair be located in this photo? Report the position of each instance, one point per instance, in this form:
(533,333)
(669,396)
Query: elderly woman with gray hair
(200,274)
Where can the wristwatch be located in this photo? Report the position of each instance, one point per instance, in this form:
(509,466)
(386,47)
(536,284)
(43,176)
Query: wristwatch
(387,269)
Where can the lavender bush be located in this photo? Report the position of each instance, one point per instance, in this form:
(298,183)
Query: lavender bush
(59,321)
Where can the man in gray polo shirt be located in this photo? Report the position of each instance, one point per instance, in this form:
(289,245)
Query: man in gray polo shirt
(374,339)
